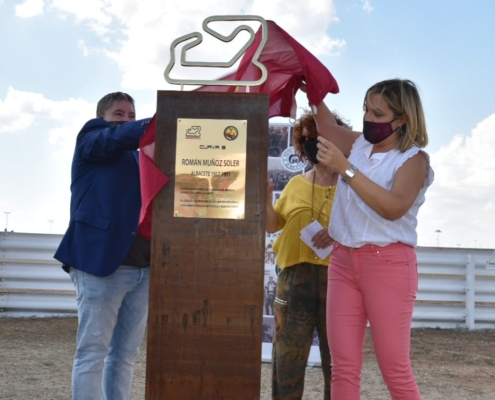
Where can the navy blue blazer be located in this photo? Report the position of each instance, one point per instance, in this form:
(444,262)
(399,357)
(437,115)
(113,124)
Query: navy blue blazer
(106,197)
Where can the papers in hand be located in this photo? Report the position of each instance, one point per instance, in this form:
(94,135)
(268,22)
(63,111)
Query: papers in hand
(307,234)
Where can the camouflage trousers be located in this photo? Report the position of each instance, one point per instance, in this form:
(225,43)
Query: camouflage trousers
(299,309)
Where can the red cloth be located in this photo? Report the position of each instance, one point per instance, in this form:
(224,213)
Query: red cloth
(288,64)
(152,179)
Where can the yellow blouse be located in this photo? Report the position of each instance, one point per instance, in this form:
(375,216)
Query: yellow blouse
(294,213)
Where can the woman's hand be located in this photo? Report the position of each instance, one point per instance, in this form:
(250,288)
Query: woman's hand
(329,128)
(269,189)
(390,204)
(271,214)
(331,156)
(322,239)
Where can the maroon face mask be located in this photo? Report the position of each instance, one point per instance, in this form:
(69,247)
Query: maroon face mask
(376,132)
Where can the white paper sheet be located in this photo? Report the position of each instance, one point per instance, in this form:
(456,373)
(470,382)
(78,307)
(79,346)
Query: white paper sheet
(307,234)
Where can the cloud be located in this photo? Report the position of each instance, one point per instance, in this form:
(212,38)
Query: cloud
(20,110)
(91,11)
(61,120)
(138,38)
(461,201)
(469,159)
(38,135)
(367,6)
(29,9)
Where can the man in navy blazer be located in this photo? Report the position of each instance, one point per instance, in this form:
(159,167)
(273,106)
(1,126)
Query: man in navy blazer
(107,259)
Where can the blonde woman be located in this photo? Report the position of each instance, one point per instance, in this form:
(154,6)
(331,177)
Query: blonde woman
(373,277)
(301,291)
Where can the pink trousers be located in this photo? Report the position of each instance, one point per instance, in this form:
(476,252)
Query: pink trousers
(379,285)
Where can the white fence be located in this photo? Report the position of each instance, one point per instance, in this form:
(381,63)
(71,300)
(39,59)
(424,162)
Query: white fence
(456,290)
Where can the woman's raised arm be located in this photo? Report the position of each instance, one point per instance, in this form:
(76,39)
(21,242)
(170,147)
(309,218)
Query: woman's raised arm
(328,127)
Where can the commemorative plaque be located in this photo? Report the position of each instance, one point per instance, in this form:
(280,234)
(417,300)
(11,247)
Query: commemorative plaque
(210,168)
(205,315)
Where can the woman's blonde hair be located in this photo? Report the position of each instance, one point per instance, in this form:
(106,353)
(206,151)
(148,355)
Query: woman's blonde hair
(403,99)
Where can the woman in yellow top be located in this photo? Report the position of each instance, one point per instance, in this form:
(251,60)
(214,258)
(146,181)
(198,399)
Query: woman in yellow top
(300,303)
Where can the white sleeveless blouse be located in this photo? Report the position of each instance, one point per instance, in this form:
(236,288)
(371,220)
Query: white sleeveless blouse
(353,223)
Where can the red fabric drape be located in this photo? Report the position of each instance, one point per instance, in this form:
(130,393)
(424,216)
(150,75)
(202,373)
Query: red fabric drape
(152,179)
(288,64)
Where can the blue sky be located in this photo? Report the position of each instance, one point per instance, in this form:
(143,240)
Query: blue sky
(59,57)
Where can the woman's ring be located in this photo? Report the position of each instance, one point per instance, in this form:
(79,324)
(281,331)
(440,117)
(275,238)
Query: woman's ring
(325,150)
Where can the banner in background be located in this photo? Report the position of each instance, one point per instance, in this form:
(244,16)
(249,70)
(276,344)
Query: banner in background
(283,164)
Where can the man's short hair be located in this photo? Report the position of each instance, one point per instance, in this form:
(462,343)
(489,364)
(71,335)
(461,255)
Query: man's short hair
(107,101)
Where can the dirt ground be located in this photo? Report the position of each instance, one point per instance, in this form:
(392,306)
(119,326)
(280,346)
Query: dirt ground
(36,360)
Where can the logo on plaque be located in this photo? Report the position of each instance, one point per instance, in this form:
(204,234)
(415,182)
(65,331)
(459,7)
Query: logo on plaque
(194,132)
(231,133)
